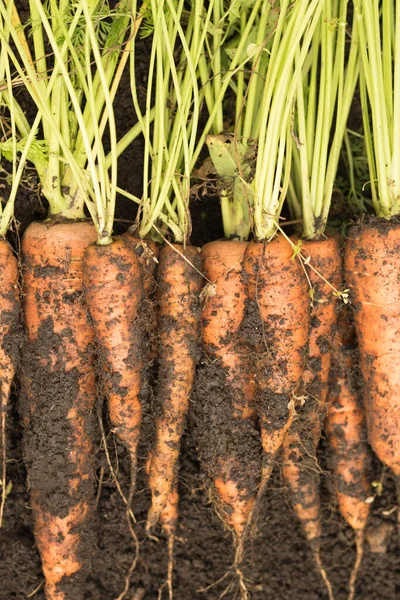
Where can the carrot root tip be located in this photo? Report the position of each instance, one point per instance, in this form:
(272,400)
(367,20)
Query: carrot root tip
(323,573)
(359,539)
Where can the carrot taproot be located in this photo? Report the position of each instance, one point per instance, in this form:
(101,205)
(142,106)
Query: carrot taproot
(179,284)
(278,325)
(372,269)
(300,465)
(113,290)
(59,393)
(229,442)
(300,460)
(345,425)
(169,521)
(9,352)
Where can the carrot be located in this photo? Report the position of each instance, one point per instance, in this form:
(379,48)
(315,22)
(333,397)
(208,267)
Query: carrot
(179,286)
(9,352)
(300,466)
(345,424)
(372,269)
(278,331)
(222,316)
(147,253)
(228,420)
(58,383)
(114,290)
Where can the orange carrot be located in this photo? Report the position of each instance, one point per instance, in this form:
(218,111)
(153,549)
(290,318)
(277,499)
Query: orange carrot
(178,293)
(228,418)
(222,316)
(300,467)
(300,444)
(113,290)
(277,329)
(372,269)
(59,394)
(9,352)
(345,424)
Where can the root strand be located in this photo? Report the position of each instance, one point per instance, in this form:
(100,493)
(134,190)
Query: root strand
(360,551)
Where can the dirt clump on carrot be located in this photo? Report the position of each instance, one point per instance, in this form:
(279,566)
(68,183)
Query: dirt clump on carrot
(229,447)
(277,288)
(57,402)
(114,291)
(232,459)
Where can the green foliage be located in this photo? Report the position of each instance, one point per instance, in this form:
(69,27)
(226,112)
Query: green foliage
(38,152)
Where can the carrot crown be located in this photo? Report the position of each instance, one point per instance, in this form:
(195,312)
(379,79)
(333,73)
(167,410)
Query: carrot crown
(379,31)
(323,99)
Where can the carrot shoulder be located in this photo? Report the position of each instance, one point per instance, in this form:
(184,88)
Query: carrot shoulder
(59,394)
(113,290)
(228,440)
(178,293)
(278,324)
(9,352)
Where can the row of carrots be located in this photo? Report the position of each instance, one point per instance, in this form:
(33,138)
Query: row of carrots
(276,382)
(264,311)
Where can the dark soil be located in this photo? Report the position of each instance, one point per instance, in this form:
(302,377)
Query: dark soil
(279,563)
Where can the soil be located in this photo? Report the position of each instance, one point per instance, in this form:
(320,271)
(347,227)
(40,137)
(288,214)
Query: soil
(279,564)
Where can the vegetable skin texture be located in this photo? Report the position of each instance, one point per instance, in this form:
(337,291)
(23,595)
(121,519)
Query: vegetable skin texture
(372,269)
(10,309)
(60,337)
(301,441)
(278,287)
(178,295)
(222,316)
(147,252)
(345,425)
(114,290)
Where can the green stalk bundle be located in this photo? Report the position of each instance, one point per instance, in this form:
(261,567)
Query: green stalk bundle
(323,99)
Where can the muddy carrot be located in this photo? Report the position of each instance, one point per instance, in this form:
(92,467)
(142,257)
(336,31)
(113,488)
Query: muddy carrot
(113,291)
(345,424)
(372,273)
(228,419)
(278,294)
(179,285)
(300,467)
(58,383)
(9,351)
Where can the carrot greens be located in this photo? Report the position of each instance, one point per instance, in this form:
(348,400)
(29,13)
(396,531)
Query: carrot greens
(323,100)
